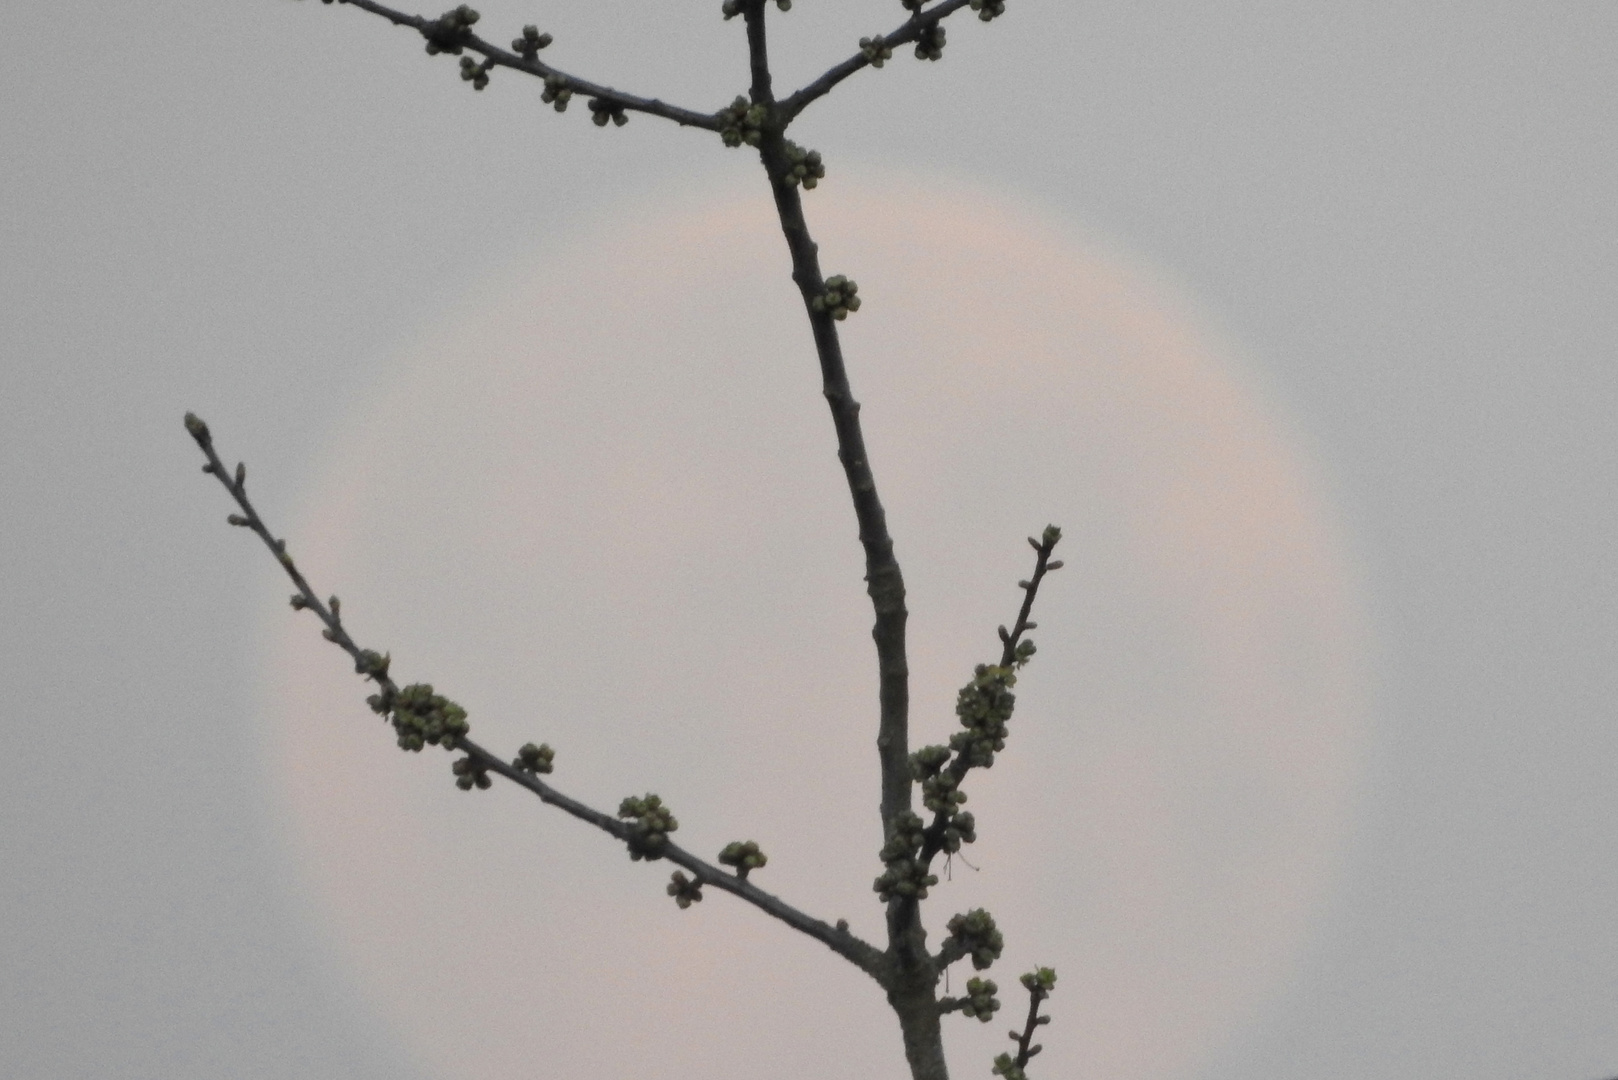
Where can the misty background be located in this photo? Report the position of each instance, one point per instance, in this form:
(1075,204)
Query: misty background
(1402,213)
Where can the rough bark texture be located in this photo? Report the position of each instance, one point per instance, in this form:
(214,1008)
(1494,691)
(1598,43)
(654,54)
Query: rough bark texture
(924,1041)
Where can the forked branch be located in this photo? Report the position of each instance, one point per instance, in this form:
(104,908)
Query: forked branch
(453,31)
(905,969)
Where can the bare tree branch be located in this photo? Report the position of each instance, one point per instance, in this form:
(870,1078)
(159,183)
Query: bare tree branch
(1039,983)
(499,57)
(911,29)
(905,969)
(367,662)
(884,581)
(1011,654)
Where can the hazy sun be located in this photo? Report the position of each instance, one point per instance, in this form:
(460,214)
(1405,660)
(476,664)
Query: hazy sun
(601,508)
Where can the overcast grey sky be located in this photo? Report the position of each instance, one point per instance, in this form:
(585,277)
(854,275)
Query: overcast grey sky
(1398,217)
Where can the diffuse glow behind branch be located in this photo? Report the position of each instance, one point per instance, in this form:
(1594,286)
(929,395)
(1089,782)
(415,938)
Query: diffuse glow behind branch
(905,969)
(420,717)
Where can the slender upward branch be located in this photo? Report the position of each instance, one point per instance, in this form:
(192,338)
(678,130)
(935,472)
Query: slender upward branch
(884,581)
(758,53)
(1039,983)
(498,57)
(909,31)
(367,662)
(1011,654)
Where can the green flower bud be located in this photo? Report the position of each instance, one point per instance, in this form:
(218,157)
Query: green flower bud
(875,50)
(837,297)
(1008,1069)
(983,707)
(803,166)
(905,874)
(1041,980)
(685,891)
(742,122)
(556,93)
(535,759)
(744,855)
(450,31)
(475,73)
(421,717)
(530,43)
(602,110)
(975,934)
(470,774)
(980,1000)
(651,824)
(930,42)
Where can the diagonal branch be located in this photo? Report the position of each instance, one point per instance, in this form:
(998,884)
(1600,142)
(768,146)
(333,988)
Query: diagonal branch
(837,938)
(909,31)
(1010,655)
(498,57)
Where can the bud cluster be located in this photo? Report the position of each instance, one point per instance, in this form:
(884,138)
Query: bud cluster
(744,855)
(556,93)
(685,891)
(988,9)
(941,793)
(940,790)
(906,875)
(651,824)
(475,73)
(974,934)
(534,759)
(930,42)
(742,122)
(470,773)
(1007,1069)
(840,296)
(371,664)
(980,1000)
(530,43)
(983,706)
(602,110)
(450,31)
(875,50)
(803,166)
(1042,980)
(419,716)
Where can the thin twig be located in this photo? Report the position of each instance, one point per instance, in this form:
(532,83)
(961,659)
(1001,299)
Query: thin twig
(539,69)
(838,938)
(1039,983)
(959,766)
(911,29)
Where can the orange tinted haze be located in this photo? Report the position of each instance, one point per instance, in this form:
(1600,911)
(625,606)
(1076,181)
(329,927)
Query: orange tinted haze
(601,508)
